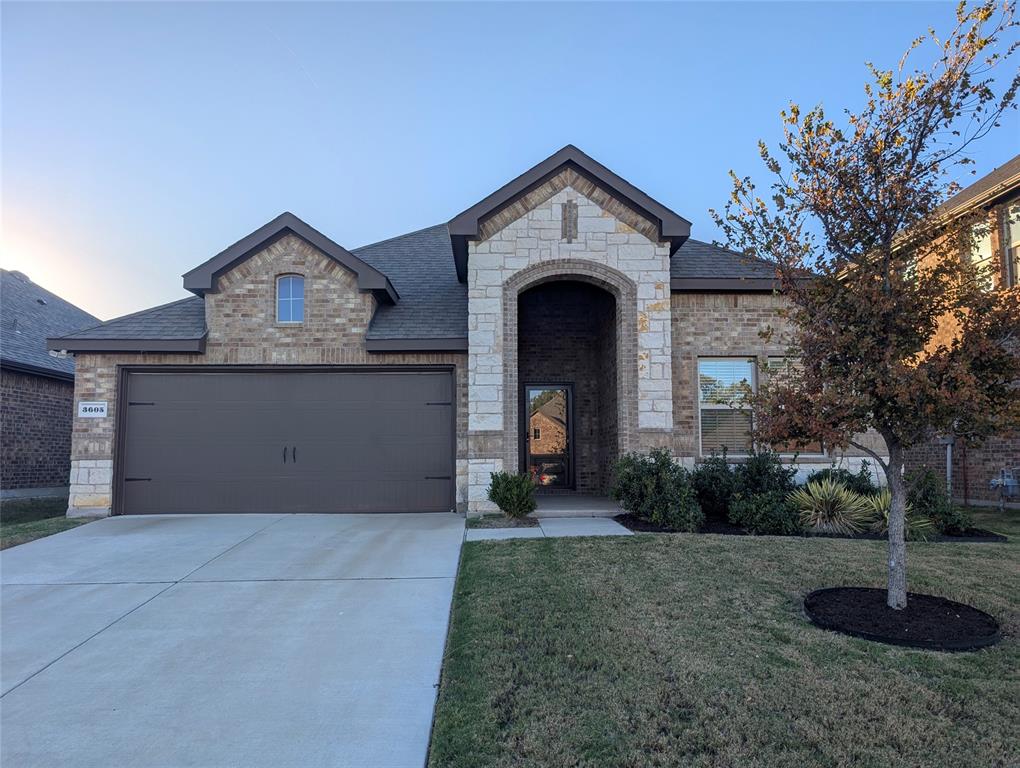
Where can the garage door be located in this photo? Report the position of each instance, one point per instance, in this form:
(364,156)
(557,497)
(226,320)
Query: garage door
(287,441)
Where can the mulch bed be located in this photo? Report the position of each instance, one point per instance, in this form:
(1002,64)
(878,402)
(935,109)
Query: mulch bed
(928,622)
(972,535)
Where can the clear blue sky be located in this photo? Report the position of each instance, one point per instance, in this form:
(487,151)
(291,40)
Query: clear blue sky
(140,139)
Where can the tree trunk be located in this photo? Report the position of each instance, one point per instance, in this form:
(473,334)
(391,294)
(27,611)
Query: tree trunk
(897,592)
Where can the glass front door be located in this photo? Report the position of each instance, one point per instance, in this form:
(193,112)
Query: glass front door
(548,435)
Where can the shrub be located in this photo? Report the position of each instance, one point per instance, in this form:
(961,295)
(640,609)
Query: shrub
(513,494)
(858,483)
(928,497)
(770,512)
(655,488)
(828,506)
(763,472)
(714,483)
(879,503)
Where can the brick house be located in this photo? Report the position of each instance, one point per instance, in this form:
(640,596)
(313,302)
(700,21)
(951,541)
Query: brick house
(302,376)
(995,197)
(36,389)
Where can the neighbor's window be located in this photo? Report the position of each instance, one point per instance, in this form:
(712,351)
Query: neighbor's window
(982,256)
(536,433)
(787,370)
(290,299)
(723,382)
(1013,242)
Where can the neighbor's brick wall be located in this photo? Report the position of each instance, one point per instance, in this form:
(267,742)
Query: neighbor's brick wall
(35,430)
(243,330)
(973,468)
(728,325)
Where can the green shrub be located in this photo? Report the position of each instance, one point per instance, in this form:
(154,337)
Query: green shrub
(928,497)
(763,472)
(858,483)
(714,484)
(828,506)
(879,505)
(513,494)
(655,488)
(770,512)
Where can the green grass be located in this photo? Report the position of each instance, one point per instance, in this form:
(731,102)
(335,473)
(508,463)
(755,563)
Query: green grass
(691,650)
(501,521)
(23,520)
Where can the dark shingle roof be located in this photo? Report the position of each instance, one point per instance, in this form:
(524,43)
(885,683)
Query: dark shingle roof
(985,184)
(29,315)
(696,259)
(433,303)
(182,319)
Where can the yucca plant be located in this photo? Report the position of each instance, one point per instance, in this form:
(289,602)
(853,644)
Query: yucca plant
(915,526)
(828,506)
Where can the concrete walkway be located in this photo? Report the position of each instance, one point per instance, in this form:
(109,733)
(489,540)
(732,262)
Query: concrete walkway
(241,640)
(553,527)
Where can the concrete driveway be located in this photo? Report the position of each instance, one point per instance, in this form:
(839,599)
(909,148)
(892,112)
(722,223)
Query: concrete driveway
(241,640)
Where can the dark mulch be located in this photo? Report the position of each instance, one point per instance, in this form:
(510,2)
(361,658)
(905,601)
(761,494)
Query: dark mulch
(929,622)
(973,535)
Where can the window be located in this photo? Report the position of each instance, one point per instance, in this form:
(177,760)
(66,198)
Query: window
(1013,243)
(722,384)
(982,256)
(787,370)
(536,433)
(290,299)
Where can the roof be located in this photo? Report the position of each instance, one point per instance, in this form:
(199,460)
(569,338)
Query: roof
(673,228)
(433,306)
(175,327)
(203,277)
(28,315)
(699,266)
(1003,179)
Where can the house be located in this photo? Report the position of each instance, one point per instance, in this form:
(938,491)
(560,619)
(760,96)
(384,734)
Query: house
(36,389)
(995,200)
(303,376)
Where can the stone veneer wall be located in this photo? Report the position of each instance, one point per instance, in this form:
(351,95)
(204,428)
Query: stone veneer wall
(243,330)
(729,325)
(35,430)
(525,247)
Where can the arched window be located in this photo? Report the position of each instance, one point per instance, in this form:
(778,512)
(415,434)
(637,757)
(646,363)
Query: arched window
(290,299)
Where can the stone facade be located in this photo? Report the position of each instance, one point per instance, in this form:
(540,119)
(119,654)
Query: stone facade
(524,245)
(35,430)
(242,325)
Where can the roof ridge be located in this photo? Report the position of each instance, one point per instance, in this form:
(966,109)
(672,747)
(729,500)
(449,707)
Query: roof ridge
(134,314)
(399,237)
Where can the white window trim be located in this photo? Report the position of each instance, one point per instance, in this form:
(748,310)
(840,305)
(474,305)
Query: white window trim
(277,299)
(719,406)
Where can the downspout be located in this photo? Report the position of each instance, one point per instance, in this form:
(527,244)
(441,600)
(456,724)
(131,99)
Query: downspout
(949,469)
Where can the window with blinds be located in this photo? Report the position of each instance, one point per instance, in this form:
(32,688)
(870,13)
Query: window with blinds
(723,383)
(788,370)
(982,256)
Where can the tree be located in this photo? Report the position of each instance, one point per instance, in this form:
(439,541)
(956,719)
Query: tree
(873,264)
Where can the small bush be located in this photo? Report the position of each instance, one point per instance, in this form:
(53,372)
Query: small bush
(770,512)
(858,483)
(928,497)
(714,484)
(763,472)
(880,503)
(655,488)
(513,494)
(828,506)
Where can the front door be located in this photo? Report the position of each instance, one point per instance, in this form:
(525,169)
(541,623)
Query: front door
(548,435)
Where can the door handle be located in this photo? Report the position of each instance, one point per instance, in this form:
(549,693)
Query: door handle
(284,454)
(293,454)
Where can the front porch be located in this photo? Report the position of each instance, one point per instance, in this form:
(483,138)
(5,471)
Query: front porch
(575,505)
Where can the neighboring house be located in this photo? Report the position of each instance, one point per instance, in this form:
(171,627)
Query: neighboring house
(996,251)
(36,389)
(302,376)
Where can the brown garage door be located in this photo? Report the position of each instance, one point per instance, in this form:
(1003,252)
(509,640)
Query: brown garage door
(287,441)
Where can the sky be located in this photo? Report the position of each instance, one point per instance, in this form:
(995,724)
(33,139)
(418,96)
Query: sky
(137,140)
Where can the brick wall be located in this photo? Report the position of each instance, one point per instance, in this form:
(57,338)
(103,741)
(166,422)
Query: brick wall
(560,341)
(243,330)
(35,430)
(973,468)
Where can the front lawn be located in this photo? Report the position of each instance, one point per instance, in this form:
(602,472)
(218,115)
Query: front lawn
(691,650)
(23,520)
